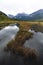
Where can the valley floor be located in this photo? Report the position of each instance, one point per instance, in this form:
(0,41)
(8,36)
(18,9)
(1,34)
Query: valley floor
(16,45)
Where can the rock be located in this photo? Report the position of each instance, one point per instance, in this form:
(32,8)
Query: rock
(17,24)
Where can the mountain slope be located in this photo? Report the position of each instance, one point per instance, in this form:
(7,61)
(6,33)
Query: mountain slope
(10,16)
(22,16)
(35,16)
(38,15)
(3,16)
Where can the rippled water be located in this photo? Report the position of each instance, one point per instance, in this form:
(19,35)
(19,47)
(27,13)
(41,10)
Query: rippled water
(7,58)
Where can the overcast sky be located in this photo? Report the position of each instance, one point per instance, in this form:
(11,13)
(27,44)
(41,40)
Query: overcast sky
(19,6)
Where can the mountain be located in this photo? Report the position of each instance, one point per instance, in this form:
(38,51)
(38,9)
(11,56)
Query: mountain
(38,15)
(35,16)
(10,16)
(3,16)
(22,16)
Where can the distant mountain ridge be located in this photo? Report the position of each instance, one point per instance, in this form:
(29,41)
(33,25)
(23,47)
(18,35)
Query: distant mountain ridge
(10,16)
(22,16)
(35,16)
(38,15)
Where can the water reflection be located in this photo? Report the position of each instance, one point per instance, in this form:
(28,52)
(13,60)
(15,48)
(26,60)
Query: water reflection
(36,42)
(7,33)
(7,58)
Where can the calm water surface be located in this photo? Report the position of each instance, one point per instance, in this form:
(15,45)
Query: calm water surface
(7,58)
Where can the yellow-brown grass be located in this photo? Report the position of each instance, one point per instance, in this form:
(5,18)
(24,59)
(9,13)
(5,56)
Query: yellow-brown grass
(16,45)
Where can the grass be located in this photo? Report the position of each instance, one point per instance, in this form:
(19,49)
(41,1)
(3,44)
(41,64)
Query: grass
(20,38)
(6,23)
(16,45)
(23,24)
(37,28)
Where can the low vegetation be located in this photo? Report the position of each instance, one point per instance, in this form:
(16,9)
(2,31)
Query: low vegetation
(6,23)
(37,28)
(19,40)
(16,45)
(23,24)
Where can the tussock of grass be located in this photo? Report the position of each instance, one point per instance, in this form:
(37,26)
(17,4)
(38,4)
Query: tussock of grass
(20,38)
(37,28)
(27,53)
(16,45)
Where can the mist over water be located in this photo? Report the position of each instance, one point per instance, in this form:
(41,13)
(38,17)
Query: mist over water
(7,58)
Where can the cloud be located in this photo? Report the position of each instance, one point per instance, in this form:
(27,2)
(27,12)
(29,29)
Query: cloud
(15,6)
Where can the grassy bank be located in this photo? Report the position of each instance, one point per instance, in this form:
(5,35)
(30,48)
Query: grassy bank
(16,45)
(24,24)
(6,23)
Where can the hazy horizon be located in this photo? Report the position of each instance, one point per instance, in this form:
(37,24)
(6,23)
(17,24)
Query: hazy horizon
(19,6)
